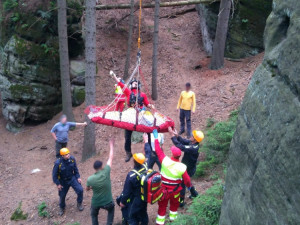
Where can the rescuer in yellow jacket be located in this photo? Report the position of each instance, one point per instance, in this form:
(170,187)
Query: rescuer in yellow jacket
(186,105)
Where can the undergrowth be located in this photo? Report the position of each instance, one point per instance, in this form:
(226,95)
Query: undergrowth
(42,210)
(205,209)
(216,143)
(18,214)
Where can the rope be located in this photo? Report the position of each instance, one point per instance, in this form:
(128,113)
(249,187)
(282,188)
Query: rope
(140,24)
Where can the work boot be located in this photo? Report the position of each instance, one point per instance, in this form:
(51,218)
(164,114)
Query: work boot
(80,206)
(61,211)
(128,156)
(194,193)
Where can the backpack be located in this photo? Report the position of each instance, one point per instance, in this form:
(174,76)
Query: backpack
(151,189)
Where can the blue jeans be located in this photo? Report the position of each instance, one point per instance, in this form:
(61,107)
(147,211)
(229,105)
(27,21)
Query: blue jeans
(110,208)
(185,115)
(64,191)
(152,160)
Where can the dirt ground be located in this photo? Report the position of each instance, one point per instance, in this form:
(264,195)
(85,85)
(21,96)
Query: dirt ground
(180,53)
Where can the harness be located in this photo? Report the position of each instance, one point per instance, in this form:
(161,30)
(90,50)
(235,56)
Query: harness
(59,166)
(139,172)
(133,99)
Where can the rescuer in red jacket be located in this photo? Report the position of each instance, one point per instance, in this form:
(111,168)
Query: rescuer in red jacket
(173,173)
(137,99)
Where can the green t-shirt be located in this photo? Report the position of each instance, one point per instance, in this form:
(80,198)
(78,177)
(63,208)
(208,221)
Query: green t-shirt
(101,186)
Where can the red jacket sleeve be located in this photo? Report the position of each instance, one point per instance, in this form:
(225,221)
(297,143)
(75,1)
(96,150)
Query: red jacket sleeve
(160,154)
(126,91)
(186,179)
(146,101)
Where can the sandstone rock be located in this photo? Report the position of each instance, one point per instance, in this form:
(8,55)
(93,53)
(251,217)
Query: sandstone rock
(77,71)
(246,27)
(29,61)
(262,182)
(78,95)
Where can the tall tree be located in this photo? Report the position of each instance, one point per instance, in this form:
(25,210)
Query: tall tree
(89,148)
(64,59)
(129,42)
(217,60)
(155,50)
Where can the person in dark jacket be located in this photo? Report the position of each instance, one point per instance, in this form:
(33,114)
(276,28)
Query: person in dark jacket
(131,196)
(65,174)
(190,147)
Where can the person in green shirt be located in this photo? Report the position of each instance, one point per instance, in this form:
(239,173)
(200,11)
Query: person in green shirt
(100,183)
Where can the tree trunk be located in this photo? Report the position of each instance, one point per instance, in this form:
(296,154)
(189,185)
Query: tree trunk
(64,60)
(217,60)
(152,5)
(89,148)
(129,42)
(155,50)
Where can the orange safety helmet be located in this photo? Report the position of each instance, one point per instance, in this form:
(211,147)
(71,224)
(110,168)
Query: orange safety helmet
(139,157)
(64,151)
(198,135)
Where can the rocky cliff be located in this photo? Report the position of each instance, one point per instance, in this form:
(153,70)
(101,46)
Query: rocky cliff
(29,59)
(246,26)
(263,183)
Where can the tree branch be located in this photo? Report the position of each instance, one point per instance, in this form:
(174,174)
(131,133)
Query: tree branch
(151,5)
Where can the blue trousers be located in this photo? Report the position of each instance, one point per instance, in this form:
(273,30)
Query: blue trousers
(152,160)
(185,116)
(138,212)
(66,186)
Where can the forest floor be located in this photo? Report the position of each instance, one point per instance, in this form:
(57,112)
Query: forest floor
(181,59)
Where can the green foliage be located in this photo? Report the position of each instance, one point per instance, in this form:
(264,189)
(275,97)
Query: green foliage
(42,210)
(215,176)
(19,214)
(8,5)
(245,20)
(210,122)
(76,223)
(49,49)
(216,142)
(15,17)
(205,209)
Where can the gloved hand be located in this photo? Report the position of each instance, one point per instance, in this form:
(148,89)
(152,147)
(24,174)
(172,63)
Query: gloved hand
(155,133)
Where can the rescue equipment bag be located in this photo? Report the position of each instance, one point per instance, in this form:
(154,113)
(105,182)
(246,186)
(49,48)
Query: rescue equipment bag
(151,189)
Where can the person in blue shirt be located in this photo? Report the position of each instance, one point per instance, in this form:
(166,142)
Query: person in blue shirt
(65,174)
(60,133)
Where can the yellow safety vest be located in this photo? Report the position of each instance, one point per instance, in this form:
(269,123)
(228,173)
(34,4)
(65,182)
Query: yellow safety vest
(172,170)
(118,90)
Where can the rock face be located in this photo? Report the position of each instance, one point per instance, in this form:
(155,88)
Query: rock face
(263,183)
(29,60)
(246,28)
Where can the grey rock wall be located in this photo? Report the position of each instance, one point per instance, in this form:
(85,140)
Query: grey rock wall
(263,181)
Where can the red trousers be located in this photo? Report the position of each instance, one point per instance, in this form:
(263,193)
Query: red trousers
(173,198)
(120,106)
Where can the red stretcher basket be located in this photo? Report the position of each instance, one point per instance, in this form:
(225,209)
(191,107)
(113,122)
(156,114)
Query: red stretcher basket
(130,119)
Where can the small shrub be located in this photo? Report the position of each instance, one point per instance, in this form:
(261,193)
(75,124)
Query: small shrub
(19,214)
(76,223)
(10,4)
(42,210)
(205,209)
(215,176)
(217,142)
(210,122)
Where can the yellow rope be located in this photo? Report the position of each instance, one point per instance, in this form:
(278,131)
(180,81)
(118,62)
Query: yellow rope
(140,22)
